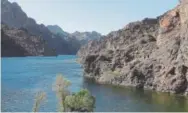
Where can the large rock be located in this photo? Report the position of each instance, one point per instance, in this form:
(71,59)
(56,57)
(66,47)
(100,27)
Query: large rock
(152,54)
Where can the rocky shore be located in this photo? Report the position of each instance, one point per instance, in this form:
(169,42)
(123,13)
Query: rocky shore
(152,54)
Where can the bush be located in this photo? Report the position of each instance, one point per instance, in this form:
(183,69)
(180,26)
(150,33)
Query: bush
(80,101)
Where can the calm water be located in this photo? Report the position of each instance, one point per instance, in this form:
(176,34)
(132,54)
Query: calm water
(23,77)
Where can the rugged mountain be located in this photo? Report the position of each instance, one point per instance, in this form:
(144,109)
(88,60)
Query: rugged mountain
(57,30)
(82,37)
(76,39)
(13,16)
(85,37)
(152,54)
(73,44)
(18,42)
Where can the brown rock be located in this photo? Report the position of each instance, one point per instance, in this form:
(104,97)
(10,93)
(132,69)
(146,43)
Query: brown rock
(152,54)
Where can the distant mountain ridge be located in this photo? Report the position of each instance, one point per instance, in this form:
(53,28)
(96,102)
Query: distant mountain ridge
(13,16)
(86,35)
(57,30)
(78,35)
(82,37)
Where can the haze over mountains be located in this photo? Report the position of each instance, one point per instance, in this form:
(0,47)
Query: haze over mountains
(82,37)
(55,38)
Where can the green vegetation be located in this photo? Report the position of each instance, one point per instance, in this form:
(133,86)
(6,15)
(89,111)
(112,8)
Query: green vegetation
(80,101)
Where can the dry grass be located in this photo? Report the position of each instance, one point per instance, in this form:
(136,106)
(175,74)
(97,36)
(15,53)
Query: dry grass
(60,86)
(116,73)
(40,97)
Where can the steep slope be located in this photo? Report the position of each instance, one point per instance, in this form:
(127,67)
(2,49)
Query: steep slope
(151,54)
(80,36)
(57,30)
(72,43)
(13,16)
(18,42)
(76,39)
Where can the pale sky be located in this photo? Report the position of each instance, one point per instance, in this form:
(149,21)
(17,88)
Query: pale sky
(102,16)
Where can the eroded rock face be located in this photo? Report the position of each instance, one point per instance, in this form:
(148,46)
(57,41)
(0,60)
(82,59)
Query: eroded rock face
(19,42)
(152,54)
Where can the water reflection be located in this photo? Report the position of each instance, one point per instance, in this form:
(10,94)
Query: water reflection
(113,98)
(32,74)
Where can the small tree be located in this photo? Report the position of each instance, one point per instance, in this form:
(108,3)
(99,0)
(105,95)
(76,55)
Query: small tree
(61,88)
(80,101)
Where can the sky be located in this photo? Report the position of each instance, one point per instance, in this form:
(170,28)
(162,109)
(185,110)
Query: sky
(102,16)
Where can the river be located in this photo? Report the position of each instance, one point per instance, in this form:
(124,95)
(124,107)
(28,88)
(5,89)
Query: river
(23,77)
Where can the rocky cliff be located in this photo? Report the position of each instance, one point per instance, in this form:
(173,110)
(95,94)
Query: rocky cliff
(19,42)
(152,54)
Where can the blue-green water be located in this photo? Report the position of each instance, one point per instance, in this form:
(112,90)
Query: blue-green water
(22,77)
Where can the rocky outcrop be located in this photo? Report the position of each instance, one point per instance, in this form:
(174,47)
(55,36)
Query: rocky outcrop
(152,54)
(19,42)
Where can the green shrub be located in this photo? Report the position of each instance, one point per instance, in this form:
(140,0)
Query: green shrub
(80,101)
